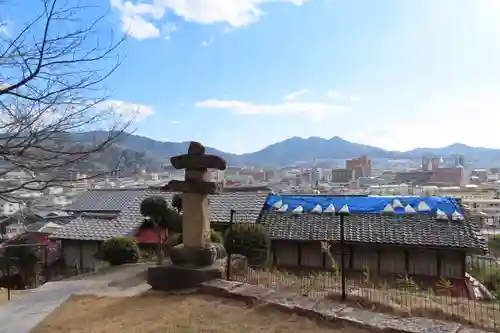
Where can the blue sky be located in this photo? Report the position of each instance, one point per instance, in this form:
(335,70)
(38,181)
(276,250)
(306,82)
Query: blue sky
(241,74)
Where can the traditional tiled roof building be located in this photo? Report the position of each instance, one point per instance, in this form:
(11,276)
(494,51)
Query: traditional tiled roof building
(104,213)
(424,237)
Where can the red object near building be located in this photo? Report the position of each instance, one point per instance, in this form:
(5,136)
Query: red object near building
(148,236)
(43,238)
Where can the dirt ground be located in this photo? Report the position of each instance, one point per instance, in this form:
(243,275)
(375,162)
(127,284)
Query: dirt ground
(4,295)
(155,312)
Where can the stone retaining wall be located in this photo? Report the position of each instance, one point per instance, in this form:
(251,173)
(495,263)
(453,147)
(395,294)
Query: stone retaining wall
(333,311)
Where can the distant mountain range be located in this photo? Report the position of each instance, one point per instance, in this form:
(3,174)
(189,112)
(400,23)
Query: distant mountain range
(150,154)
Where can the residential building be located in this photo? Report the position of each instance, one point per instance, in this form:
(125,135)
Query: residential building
(426,238)
(365,182)
(270,175)
(416,177)
(453,161)
(363,165)
(400,189)
(481,174)
(489,208)
(342,175)
(450,176)
(468,192)
(105,213)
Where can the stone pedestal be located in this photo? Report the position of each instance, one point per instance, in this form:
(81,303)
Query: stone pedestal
(198,256)
(175,277)
(196,225)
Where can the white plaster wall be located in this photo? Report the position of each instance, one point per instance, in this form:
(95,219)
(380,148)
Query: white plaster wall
(452,264)
(311,256)
(364,257)
(423,263)
(392,261)
(71,254)
(286,253)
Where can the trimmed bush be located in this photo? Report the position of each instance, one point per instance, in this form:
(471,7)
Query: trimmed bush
(153,206)
(250,240)
(120,250)
(160,214)
(177,202)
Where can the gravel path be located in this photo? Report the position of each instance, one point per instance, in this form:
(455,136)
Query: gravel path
(23,313)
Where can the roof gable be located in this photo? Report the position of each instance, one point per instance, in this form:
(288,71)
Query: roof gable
(104,200)
(90,228)
(410,230)
(130,219)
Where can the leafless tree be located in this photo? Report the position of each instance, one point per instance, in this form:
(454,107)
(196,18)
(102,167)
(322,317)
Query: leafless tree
(52,74)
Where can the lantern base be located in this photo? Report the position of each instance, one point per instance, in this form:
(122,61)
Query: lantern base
(175,277)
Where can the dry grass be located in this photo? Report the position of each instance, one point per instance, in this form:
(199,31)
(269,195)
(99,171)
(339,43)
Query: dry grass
(404,301)
(156,312)
(4,295)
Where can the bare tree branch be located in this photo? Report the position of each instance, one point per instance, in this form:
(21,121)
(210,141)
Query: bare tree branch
(52,75)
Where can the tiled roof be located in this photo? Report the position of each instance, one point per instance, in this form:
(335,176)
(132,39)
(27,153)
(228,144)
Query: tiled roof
(412,230)
(34,227)
(104,200)
(247,204)
(91,228)
(130,218)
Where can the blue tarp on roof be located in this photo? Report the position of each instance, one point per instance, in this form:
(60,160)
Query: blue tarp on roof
(356,204)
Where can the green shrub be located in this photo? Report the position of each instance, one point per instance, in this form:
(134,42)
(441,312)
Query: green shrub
(216,237)
(489,277)
(23,258)
(488,273)
(153,206)
(120,250)
(177,202)
(160,214)
(494,245)
(248,239)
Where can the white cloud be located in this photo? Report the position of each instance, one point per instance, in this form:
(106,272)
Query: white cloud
(140,20)
(472,120)
(296,94)
(207,42)
(139,28)
(354,98)
(336,95)
(175,122)
(135,19)
(332,94)
(137,112)
(314,110)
